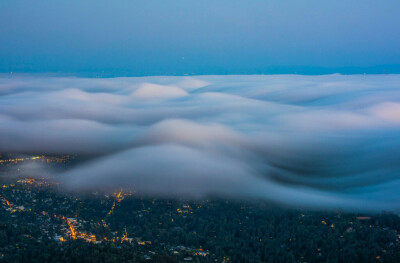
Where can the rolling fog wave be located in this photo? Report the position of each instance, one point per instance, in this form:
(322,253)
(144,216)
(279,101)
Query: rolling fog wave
(305,141)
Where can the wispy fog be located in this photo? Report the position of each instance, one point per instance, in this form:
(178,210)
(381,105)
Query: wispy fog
(304,141)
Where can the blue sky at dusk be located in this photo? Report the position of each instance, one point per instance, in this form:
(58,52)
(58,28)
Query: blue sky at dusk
(160,37)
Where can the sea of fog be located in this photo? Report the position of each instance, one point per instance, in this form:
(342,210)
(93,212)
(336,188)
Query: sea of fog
(318,142)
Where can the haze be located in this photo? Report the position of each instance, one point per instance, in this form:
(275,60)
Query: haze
(157,37)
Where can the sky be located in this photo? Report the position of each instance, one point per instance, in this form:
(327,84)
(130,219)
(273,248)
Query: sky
(319,142)
(177,37)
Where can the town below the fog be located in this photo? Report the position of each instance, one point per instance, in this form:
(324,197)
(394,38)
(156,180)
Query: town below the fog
(39,222)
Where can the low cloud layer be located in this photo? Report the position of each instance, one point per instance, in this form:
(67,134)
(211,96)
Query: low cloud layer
(304,141)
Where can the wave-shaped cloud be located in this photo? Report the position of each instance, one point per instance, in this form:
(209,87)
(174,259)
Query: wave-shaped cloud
(310,141)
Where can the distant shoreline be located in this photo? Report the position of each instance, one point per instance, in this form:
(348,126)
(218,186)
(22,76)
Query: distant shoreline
(292,70)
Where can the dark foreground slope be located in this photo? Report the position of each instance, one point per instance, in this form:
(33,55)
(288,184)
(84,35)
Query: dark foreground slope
(38,223)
